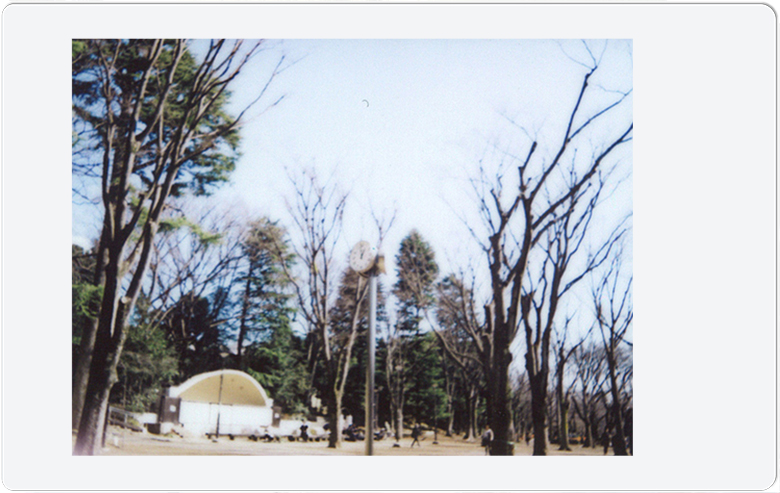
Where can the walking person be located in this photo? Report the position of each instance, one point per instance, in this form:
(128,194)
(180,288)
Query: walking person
(605,439)
(487,439)
(416,432)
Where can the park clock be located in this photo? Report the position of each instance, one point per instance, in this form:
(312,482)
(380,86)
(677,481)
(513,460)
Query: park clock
(362,257)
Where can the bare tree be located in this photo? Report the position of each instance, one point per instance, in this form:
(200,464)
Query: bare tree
(589,362)
(521,406)
(195,251)
(562,389)
(332,316)
(348,314)
(613,302)
(458,326)
(317,211)
(549,209)
(546,291)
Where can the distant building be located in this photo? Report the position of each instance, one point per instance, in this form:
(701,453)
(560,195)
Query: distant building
(234,397)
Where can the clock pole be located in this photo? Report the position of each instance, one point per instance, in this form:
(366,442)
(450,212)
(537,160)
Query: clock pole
(371,362)
(367,262)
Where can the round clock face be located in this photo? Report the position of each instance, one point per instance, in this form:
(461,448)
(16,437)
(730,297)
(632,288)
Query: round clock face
(362,257)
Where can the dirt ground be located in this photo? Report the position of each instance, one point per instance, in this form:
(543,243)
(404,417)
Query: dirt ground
(121,442)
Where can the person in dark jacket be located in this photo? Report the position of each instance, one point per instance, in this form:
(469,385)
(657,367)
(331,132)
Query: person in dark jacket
(304,431)
(416,432)
(487,439)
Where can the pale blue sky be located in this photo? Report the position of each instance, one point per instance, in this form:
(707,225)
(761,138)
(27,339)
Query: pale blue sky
(402,123)
(433,109)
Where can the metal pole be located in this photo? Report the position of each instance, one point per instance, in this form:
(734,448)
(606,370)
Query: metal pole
(219,404)
(371,363)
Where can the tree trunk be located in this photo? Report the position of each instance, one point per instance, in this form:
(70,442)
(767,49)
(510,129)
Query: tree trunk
(502,441)
(102,373)
(102,378)
(500,414)
(594,429)
(539,414)
(399,408)
(471,434)
(563,426)
(552,422)
(244,315)
(334,418)
(87,345)
(618,440)
(399,421)
(628,430)
(563,404)
(396,407)
(338,370)
(499,393)
(588,435)
(451,419)
(449,386)
(393,429)
(512,430)
(93,422)
(109,341)
(395,384)
(81,378)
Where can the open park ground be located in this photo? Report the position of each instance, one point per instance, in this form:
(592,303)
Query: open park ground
(123,442)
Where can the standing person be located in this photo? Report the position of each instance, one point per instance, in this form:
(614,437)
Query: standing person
(487,439)
(351,437)
(304,431)
(416,431)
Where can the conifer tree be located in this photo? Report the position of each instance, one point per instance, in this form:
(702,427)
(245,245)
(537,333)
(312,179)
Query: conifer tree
(417,271)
